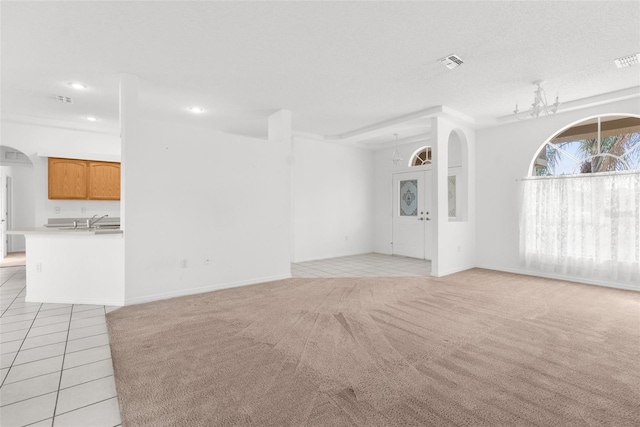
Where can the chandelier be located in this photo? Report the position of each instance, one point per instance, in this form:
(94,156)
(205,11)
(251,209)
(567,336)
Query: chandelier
(539,105)
(396,158)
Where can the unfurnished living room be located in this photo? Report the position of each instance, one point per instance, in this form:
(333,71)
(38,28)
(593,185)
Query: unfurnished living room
(320,213)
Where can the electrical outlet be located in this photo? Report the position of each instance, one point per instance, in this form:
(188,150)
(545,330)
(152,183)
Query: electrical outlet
(346,238)
(83,209)
(39,267)
(184,263)
(207,261)
(56,209)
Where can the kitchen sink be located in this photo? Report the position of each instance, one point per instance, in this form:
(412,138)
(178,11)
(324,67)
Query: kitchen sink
(104,229)
(76,228)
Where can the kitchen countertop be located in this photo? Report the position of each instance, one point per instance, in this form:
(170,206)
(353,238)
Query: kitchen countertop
(64,231)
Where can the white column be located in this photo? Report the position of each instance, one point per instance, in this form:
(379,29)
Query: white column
(440,162)
(454,240)
(128,130)
(128,116)
(280,132)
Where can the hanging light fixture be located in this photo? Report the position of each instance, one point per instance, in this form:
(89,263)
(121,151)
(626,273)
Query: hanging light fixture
(539,105)
(396,158)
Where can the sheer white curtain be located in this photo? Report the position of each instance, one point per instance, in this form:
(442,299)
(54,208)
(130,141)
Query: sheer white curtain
(583,225)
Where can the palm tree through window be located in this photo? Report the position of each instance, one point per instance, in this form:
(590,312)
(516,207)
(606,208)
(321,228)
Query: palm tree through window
(601,144)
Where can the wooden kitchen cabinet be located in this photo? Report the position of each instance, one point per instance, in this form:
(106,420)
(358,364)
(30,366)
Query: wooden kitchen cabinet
(67,178)
(83,179)
(104,180)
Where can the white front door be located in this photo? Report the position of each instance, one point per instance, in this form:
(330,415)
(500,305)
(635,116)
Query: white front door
(412,208)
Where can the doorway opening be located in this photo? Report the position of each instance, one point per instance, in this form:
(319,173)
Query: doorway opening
(6,217)
(16,205)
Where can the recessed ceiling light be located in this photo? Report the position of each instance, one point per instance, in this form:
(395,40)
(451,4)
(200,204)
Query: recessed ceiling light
(76,85)
(627,61)
(196,110)
(92,119)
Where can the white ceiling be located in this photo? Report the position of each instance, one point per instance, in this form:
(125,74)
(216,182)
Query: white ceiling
(338,66)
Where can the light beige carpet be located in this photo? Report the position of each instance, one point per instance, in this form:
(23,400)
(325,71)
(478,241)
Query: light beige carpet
(475,348)
(14,259)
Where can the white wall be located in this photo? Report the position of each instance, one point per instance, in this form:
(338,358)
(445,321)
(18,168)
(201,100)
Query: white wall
(332,197)
(32,139)
(504,154)
(197,195)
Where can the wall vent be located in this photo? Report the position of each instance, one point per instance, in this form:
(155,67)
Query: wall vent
(627,61)
(9,156)
(452,61)
(64,99)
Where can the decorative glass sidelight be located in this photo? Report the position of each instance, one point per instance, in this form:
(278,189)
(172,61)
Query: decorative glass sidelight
(409,198)
(451,187)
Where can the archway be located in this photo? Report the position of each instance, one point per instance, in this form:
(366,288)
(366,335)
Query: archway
(457,177)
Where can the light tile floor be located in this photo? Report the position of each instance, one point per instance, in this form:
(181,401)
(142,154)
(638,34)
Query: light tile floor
(365,265)
(55,359)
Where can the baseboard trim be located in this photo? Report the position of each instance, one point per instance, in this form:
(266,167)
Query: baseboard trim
(455,270)
(574,279)
(203,289)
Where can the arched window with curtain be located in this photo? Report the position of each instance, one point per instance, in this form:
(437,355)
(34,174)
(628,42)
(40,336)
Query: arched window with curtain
(581,202)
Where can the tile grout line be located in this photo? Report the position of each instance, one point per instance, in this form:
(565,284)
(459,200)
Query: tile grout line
(51,357)
(10,277)
(45,345)
(14,299)
(29,398)
(56,323)
(61,341)
(19,348)
(87,382)
(88,363)
(90,404)
(35,376)
(64,354)
(36,422)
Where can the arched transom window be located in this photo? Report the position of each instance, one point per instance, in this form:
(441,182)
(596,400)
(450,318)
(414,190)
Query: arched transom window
(600,144)
(421,157)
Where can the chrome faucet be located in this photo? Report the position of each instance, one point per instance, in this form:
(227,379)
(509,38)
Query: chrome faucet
(91,222)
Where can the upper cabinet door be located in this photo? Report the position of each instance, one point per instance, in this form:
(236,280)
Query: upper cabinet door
(104,180)
(67,179)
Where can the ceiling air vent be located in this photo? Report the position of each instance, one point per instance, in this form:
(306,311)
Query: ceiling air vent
(627,61)
(64,99)
(452,61)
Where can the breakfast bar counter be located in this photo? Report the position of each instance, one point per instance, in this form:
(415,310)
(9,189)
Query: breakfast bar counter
(74,266)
